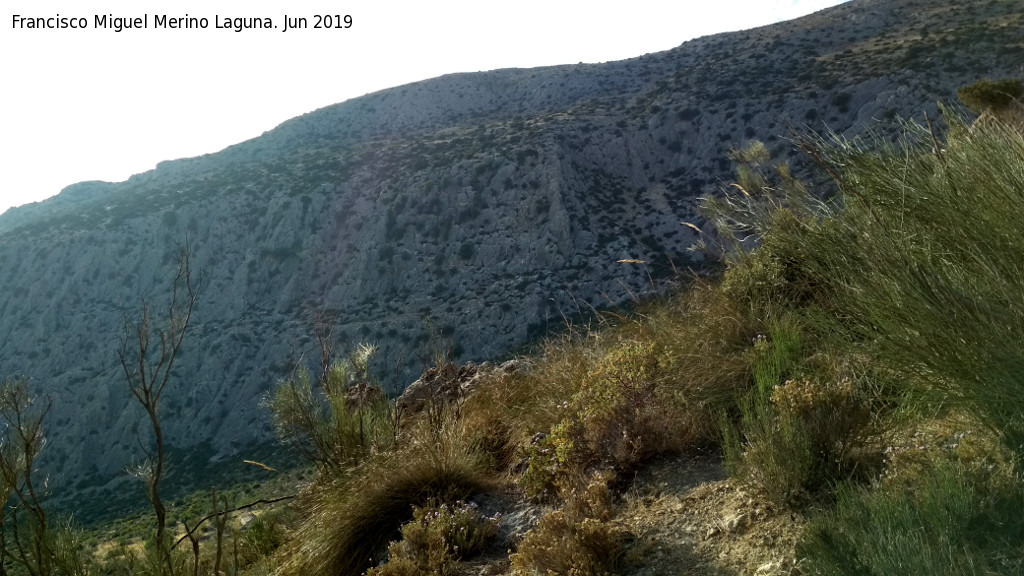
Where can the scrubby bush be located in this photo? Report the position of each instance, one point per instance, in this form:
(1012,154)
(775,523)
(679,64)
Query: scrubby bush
(549,458)
(346,420)
(933,279)
(617,418)
(773,452)
(438,536)
(703,342)
(577,539)
(800,439)
(994,95)
(835,415)
(266,533)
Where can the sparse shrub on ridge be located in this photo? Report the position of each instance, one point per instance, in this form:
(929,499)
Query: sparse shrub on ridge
(618,417)
(836,418)
(703,342)
(772,451)
(799,440)
(349,418)
(266,533)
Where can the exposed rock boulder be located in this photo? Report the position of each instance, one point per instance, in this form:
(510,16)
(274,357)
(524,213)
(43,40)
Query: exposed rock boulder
(361,395)
(448,384)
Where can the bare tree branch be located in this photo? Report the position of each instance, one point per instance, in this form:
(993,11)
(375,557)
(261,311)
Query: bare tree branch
(148,371)
(208,517)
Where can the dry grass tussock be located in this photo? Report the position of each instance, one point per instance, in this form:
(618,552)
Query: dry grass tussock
(350,521)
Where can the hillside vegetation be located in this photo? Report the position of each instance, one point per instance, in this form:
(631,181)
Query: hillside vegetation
(855,365)
(481,207)
(859,368)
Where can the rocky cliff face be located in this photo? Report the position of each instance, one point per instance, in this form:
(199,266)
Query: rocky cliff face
(480,206)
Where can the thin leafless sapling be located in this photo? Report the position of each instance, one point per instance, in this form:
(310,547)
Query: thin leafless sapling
(148,353)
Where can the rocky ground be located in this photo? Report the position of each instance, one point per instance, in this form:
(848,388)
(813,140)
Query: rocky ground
(690,519)
(686,518)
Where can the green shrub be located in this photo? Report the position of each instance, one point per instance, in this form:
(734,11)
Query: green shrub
(989,94)
(917,261)
(924,264)
(347,420)
(917,264)
(773,451)
(265,534)
(615,419)
(799,438)
(549,459)
(836,418)
(618,417)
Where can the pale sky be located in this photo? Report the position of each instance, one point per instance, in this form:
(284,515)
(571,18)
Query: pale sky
(95,104)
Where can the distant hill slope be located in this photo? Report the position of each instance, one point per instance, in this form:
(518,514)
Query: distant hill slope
(481,206)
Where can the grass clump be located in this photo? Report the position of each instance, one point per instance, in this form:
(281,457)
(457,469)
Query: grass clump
(351,521)
(946,523)
(774,355)
(934,278)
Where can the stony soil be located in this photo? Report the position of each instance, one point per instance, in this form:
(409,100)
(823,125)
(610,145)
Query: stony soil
(690,519)
(686,518)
